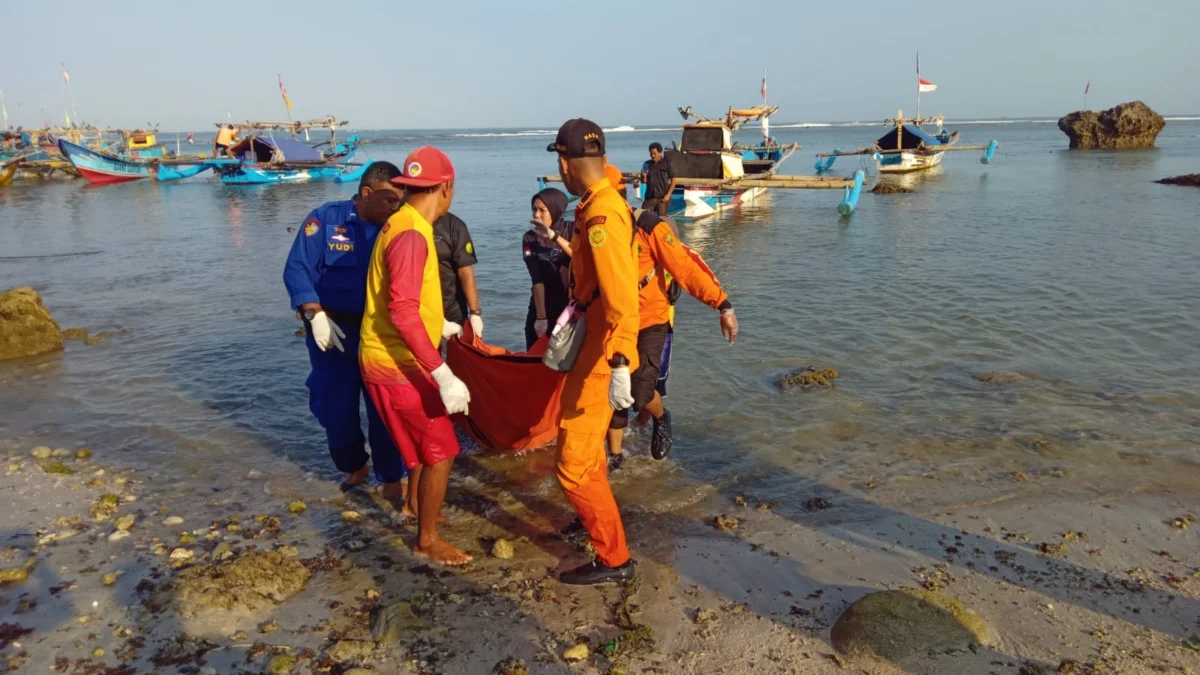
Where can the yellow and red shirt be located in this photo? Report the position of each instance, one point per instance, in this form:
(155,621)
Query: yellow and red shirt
(402,323)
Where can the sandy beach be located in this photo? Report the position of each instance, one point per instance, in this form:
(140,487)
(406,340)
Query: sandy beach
(1067,579)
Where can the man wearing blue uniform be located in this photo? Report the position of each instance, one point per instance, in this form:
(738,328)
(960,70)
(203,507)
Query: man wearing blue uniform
(326,277)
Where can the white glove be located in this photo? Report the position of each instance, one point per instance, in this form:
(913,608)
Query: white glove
(539,327)
(455,395)
(326,332)
(477,325)
(619,396)
(450,329)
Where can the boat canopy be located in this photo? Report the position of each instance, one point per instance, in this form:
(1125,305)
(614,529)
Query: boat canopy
(263,149)
(911,137)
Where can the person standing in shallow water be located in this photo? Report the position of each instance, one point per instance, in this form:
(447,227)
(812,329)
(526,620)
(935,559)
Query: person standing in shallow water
(326,278)
(412,386)
(546,248)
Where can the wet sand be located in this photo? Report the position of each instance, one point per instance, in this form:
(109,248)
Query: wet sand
(1069,578)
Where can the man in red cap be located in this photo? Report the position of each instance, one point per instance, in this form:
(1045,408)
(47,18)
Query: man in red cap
(412,387)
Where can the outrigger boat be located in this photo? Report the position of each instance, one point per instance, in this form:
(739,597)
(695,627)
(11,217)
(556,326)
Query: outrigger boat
(712,174)
(908,147)
(264,159)
(8,167)
(139,156)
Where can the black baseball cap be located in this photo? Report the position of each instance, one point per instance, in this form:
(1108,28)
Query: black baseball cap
(573,137)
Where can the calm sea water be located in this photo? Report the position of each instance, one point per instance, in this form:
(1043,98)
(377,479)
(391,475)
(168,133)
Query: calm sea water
(1071,268)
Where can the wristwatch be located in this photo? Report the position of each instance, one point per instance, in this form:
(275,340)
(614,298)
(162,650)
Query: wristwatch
(477,312)
(309,314)
(618,361)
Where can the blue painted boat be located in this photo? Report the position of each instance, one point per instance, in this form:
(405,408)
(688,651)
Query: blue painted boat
(102,168)
(265,160)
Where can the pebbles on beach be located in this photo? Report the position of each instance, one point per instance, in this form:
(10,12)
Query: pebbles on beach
(503,549)
(575,654)
(41,452)
(172,520)
(119,535)
(13,574)
(124,522)
(297,507)
(351,516)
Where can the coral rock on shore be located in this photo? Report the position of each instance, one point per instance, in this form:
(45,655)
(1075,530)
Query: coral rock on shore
(1128,125)
(897,625)
(26,327)
(251,582)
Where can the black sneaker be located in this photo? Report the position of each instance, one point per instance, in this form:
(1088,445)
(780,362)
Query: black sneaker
(615,461)
(576,527)
(597,572)
(660,440)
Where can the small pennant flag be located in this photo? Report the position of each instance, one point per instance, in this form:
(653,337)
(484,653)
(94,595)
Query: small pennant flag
(764,87)
(68,116)
(925,85)
(1088,87)
(286,101)
(66,75)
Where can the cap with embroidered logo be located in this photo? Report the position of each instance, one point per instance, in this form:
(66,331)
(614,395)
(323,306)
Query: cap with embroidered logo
(574,136)
(425,167)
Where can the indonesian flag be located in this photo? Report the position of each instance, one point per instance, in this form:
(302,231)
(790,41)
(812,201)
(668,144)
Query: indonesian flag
(66,75)
(764,87)
(1087,88)
(924,85)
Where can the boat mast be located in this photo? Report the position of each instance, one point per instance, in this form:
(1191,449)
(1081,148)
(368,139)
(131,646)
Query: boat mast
(918,119)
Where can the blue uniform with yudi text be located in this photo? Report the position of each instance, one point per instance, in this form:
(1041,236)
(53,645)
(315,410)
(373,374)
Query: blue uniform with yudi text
(328,265)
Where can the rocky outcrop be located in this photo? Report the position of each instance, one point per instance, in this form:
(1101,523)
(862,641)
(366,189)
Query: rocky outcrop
(902,624)
(1192,179)
(1129,125)
(26,327)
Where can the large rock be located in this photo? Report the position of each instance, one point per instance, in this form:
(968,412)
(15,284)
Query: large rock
(246,584)
(26,327)
(1192,179)
(899,625)
(1129,125)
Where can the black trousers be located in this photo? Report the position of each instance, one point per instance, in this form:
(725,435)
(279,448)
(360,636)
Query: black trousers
(650,342)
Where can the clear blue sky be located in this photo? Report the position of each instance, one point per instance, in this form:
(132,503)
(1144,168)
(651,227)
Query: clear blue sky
(517,63)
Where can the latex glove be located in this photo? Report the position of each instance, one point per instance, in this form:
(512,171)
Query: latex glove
(455,395)
(729,325)
(477,325)
(540,326)
(326,332)
(542,230)
(619,396)
(450,329)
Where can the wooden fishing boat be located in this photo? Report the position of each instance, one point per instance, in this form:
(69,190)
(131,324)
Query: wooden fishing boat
(264,158)
(908,147)
(713,175)
(8,168)
(138,156)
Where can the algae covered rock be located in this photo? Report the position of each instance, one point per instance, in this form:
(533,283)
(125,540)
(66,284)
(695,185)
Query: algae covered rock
(503,549)
(897,625)
(1192,180)
(394,622)
(808,377)
(247,583)
(575,654)
(26,327)
(351,651)
(1128,125)
(281,665)
(510,666)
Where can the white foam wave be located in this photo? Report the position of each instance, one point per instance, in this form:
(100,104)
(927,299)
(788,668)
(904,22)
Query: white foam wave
(620,128)
(1181,119)
(802,125)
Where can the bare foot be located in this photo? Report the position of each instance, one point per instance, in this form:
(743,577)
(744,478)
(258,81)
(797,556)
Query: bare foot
(443,552)
(397,490)
(358,477)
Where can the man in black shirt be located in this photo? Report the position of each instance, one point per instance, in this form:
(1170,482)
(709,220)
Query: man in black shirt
(456,260)
(659,179)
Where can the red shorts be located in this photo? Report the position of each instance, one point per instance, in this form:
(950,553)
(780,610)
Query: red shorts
(416,420)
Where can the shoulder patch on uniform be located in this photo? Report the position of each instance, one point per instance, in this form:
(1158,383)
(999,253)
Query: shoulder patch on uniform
(470,248)
(595,220)
(670,239)
(597,235)
(311,227)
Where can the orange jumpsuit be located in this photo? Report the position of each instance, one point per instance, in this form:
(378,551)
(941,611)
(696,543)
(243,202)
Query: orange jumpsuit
(659,250)
(604,274)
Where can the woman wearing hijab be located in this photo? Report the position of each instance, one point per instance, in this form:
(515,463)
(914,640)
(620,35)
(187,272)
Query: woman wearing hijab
(547,250)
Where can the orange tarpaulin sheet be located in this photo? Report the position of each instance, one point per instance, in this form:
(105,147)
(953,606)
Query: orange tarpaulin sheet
(514,396)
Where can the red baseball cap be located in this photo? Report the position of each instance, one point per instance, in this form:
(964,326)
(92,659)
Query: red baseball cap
(425,167)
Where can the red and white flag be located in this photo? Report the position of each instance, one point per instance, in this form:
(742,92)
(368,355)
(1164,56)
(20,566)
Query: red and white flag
(66,75)
(1088,87)
(924,85)
(764,88)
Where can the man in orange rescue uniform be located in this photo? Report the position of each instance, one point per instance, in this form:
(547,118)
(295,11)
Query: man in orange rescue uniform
(604,280)
(663,262)
(412,387)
